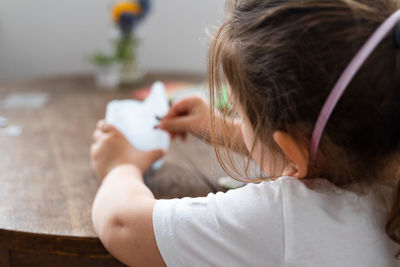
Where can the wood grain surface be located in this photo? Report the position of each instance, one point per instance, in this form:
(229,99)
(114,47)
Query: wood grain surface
(47,186)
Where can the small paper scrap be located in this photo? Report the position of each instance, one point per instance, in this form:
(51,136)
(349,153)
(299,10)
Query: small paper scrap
(136,120)
(3,122)
(24,101)
(12,130)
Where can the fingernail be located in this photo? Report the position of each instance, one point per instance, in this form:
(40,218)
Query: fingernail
(157,127)
(104,126)
(100,124)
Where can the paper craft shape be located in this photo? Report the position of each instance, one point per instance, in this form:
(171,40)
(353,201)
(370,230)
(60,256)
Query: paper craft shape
(136,120)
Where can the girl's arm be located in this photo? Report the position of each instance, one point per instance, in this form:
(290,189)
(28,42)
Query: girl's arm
(123,207)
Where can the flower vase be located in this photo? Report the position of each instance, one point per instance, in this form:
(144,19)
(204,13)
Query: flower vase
(107,77)
(130,71)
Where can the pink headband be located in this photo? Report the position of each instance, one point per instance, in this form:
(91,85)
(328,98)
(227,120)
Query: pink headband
(346,77)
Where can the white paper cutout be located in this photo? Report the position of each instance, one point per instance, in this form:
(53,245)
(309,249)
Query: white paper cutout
(136,120)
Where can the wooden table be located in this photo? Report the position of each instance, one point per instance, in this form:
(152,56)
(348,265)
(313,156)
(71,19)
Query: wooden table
(47,186)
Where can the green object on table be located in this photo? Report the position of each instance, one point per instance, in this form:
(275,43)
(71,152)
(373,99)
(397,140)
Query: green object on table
(222,99)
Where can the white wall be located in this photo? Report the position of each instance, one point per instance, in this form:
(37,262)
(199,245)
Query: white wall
(50,37)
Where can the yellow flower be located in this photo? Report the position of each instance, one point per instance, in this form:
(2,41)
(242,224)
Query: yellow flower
(125,7)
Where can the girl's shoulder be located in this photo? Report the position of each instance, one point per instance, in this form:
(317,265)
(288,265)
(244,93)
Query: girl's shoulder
(336,221)
(320,193)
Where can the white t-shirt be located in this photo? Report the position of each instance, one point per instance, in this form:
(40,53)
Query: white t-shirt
(286,222)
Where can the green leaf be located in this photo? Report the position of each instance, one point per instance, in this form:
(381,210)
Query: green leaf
(103,60)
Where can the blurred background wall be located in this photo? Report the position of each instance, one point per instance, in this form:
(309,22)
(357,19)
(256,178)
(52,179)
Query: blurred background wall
(53,37)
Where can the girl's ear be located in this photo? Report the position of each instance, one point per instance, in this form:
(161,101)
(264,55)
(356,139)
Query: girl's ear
(297,153)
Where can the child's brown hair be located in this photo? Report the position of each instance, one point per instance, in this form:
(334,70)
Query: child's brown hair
(281,59)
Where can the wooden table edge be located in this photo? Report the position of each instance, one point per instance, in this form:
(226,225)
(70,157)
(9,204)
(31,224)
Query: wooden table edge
(53,244)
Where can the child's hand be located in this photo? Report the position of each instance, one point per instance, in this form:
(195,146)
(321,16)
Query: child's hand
(189,115)
(111,149)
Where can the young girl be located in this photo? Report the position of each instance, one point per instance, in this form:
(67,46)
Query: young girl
(336,202)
